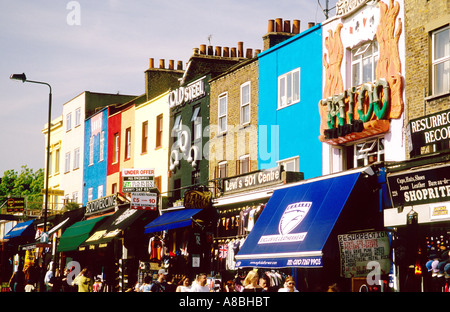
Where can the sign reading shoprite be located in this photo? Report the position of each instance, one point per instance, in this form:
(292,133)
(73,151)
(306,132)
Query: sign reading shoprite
(101,205)
(420,186)
(137,180)
(430,129)
(252,179)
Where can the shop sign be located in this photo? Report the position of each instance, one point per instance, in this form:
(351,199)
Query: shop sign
(138,180)
(144,201)
(198,199)
(420,187)
(439,211)
(253,179)
(101,205)
(430,129)
(358,249)
(15,204)
(346,7)
(191,92)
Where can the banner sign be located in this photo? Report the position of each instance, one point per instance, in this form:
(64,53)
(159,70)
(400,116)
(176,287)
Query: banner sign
(197,199)
(253,179)
(358,249)
(294,262)
(420,187)
(138,180)
(102,204)
(430,129)
(144,201)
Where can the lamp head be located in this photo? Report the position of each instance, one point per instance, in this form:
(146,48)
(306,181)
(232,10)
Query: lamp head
(22,77)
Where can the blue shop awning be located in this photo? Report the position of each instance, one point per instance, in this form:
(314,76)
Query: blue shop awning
(172,220)
(22,229)
(296,222)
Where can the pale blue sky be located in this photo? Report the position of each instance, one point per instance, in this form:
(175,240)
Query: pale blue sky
(109,51)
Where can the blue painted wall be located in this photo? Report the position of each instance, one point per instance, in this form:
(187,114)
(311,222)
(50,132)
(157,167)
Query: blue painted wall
(95,174)
(293,130)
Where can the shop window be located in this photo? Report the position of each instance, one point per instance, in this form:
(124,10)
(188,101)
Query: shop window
(289,88)
(245,103)
(364,63)
(441,61)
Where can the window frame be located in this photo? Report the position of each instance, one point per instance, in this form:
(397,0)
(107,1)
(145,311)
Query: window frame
(359,52)
(224,116)
(289,88)
(127,143)
(294,159)
(144,140)
(159,131)
(243,105)
(439,61)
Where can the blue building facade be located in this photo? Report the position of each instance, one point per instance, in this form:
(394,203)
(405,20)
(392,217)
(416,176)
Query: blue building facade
(290,88)
(95,156)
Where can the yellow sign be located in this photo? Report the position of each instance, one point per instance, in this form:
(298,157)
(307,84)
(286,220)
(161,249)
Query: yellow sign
(53,192)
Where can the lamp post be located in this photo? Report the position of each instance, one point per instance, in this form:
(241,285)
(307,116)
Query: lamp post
(23,78)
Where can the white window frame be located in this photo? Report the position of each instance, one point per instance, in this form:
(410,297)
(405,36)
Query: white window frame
(100,191)
(101,155)
(68,122)
(291,161)
(245,105)
(67,162)
(222,117)
(77,117)
(128,143)
(445,59)
(287,88)
(196,124)
(219,165)
(367,51)
(364,150)
(91,150)
(90,194)
(245,158)
(76,158)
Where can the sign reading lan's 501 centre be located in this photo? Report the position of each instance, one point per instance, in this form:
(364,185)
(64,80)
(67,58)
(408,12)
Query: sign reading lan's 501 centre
(137,180)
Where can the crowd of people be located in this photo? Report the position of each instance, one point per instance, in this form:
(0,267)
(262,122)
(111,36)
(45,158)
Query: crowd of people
(252,283)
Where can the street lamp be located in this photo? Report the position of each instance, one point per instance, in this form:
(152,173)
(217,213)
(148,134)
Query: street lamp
(23,78)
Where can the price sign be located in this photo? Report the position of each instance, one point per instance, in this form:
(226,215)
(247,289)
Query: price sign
(144,201)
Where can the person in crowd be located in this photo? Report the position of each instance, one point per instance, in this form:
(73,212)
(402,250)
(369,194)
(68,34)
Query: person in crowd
(48,277)
(29,287)
(84,282)
(230,286)
(185,285)
(145,287)
(289,285)
(171,286)
(264,284)
(17,281)
(200,284)
(55,283)
(251,282)
(160,284)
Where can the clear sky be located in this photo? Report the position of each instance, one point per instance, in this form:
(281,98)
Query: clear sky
(105,46)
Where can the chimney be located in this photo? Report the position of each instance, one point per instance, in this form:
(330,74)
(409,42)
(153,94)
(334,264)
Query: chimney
(180,65)
(249,53)
(311,24)
(226,52)
(161,64)
(240,49)
(218,51)
(160,80)
(151,63)
(233,52)
(210,50)
(279,31)
(171,64)
(203,49)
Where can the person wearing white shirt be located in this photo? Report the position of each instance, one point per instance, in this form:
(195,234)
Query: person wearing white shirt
(200,284)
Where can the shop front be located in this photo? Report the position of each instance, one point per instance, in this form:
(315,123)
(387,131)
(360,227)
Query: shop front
(322,231)
(420,191)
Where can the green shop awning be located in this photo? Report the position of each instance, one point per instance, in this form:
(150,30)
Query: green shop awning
(76,234)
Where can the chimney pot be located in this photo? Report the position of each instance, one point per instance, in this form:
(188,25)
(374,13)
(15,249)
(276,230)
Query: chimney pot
(203,49)
(233,52)
(171,64)
(279,24)
(161,64)
(296,27)
(249,53)
(218,51)
(226,52)
(271,26)
(257,51)
(240,49)
(210,50)
(287,26)
(151,63)
(195,51)
(311,24)
(180,65)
